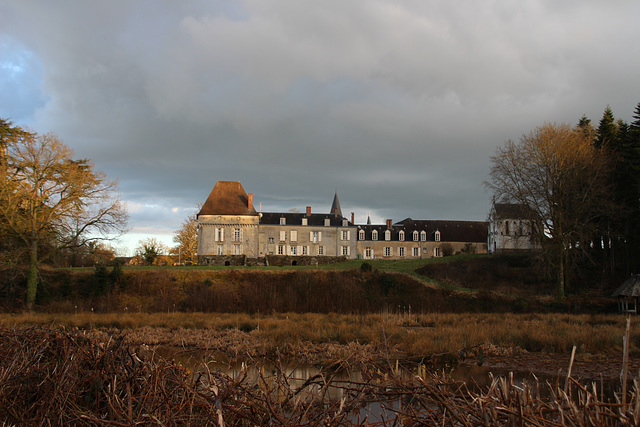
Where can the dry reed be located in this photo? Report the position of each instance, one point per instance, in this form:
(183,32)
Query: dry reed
(61,377)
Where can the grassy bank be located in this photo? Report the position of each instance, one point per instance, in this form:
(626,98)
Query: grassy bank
(411,335)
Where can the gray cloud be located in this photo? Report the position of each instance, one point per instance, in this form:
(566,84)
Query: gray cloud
(398,105)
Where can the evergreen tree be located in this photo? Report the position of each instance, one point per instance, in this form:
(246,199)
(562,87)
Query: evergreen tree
(607,130)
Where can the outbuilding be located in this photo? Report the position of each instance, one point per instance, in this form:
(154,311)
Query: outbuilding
(628,294)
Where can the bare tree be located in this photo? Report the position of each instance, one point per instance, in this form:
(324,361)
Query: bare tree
(49,201)
(563,179)
(187,240)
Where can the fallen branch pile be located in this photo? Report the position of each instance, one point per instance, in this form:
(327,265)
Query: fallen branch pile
(65,378)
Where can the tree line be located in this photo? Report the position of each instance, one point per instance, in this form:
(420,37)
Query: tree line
(581,187)
(50,203)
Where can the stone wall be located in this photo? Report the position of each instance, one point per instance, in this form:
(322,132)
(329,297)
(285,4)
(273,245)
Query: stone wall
(237,260)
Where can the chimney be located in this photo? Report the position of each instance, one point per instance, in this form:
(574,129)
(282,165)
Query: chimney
(250,201)
(389,222)
(353,221)
(308,210)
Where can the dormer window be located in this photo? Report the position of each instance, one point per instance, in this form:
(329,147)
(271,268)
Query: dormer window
(387,235)
(361,235)
(327,222)
(437,236)
(415,235)
(374,235)
(283,221)
(304,221)
(423,236)
(345,222)
(401,235)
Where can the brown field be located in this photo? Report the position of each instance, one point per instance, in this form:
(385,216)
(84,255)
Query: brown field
(484,338)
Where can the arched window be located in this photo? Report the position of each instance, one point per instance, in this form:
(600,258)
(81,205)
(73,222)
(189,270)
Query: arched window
(423,236)
(361,235)
(374,235)
(401,235)
(387,235)
(437,236)
(415,235)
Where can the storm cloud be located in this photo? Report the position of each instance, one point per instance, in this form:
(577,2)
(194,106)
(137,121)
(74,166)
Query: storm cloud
(398,105)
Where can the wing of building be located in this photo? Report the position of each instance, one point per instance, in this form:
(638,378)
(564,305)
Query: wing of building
(232,232)
(511,229)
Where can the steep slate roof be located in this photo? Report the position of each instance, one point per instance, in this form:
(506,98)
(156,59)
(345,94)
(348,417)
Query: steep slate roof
(295,218)
(450,231)
(511,211)
(227,198)
(630,288)
(336,205)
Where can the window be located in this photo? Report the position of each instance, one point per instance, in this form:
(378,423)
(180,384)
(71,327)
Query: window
(436,252)
(346,235)
(345,222)
(315,236)
(415,235)
(361,235)
(280,249)
(220,250)
(374,235)
(236,235)
(304,221)
(387,235)
(327,222)
(293,235)
(416,251)
(387,251)
(401,235)
(283,221)
(293,250)
(423,236)
(237,249)
(283,236)
(271,240)
(506,228)
(305,250)
(437,236)
(368,253)
(320,250)
(401,251)
(219,237)
(345,250)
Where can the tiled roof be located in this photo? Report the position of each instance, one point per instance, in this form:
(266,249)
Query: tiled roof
(227,198)
(295,218)
(511,210)
(450,231)
(630,288)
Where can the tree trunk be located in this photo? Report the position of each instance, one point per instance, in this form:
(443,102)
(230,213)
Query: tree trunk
(32,278)
(561,274)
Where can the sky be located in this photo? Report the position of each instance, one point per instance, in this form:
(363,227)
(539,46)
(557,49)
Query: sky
(396,105)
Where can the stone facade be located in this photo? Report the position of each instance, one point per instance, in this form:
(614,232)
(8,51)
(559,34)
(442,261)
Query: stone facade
(510,229)
(418,239)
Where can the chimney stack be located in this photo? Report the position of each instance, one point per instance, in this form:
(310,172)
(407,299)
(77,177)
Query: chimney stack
(308,210)
(389,223)
(352,218)
(250,201)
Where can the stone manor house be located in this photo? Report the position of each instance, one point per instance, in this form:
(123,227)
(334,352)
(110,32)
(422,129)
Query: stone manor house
(232,232)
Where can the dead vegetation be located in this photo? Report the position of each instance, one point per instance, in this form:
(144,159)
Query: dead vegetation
(60,377)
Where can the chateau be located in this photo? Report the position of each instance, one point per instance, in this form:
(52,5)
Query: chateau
(232,232)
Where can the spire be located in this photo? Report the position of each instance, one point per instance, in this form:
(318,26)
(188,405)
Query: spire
(369,220)
(335,206)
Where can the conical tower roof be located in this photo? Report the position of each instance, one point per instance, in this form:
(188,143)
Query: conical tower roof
(335,206)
